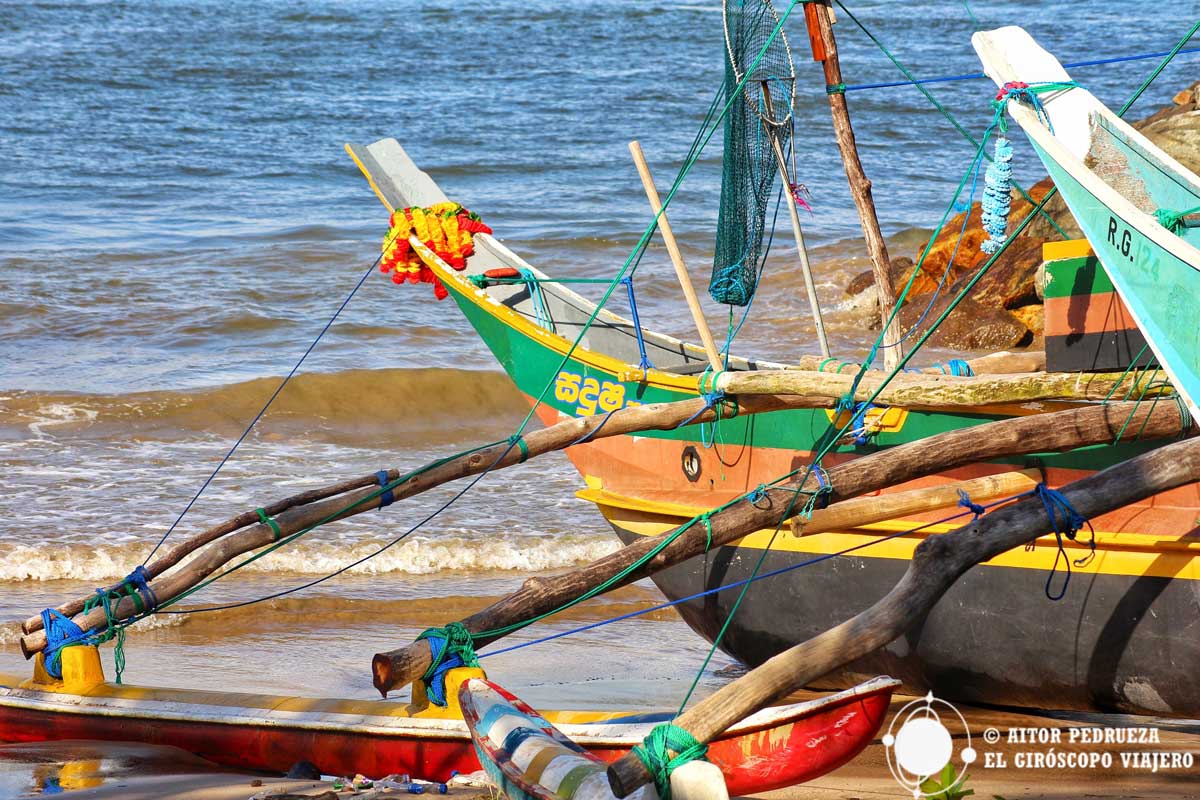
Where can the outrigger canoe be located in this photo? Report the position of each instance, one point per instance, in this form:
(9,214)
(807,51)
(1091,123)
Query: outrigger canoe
(779,746)
(1113,643)
(1115,181)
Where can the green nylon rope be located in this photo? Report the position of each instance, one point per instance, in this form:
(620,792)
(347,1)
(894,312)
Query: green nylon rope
(265,520)
(1173,220)
(655,752)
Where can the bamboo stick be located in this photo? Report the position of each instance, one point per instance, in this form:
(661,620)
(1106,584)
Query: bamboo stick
(1049,432)
(880,508)
(932,391)
(685,280)
(936,564)
(237,538)
(820,14)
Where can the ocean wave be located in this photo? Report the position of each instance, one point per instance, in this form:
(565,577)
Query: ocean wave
(416,556)
(344,613)
(383,402)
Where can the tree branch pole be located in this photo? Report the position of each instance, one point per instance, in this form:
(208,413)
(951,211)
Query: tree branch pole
(936,564)
(819,16)
(1049,432)
(309,508)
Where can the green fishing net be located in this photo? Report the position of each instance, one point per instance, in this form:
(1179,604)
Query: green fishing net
(750,165)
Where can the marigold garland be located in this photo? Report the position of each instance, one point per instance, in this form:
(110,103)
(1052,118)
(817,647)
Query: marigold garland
(446,228)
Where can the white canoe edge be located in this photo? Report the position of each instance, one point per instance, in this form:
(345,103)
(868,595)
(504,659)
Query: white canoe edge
(598,733)
(1011,54)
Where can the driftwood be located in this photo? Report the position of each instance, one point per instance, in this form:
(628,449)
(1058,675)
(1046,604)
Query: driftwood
(936,564)
(933,391)
(1049,432)
(238,536)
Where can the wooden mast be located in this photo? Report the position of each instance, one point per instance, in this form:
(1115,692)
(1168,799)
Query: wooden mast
(819,17)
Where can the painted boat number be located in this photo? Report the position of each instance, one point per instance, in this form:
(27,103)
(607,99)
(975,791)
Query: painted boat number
(589,395)
(1124,245)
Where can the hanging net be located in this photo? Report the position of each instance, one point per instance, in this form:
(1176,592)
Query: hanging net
(750,164)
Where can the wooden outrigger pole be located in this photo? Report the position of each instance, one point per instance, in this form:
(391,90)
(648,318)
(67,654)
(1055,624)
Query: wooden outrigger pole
(819,17)
(936,564)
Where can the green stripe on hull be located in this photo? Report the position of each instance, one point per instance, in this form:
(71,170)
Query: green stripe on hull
(532,364)
(1159,288)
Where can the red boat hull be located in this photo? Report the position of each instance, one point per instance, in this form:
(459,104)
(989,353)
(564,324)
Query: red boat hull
(800,743)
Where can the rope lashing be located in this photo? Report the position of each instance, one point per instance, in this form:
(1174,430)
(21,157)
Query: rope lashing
(449,647)
(60,632)
(706,518)
(1174,220)
(665,749)
(964,500)
(1064,521)
(835,88)
(270,523)
(388,495)
(957,367)
(758,495)
(519,440)
(537,299)
(644,361)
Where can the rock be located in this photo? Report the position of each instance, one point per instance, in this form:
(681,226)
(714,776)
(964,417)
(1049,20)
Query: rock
(1012,281)
(1032,317)
(304,771)
(971,326)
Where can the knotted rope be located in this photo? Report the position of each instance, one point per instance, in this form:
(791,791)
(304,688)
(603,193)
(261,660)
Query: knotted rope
(449,647)
(1064,521)
(656,750)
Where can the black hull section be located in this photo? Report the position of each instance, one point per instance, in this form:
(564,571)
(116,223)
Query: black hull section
(1114,643)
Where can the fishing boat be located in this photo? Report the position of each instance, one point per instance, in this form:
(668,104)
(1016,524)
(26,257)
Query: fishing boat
(780,746)
(1138,207)
(1112,643)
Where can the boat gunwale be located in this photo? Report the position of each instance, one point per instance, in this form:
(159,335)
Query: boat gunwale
(609,731)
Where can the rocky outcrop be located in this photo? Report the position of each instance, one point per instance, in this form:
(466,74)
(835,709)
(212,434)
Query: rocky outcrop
(1004,309)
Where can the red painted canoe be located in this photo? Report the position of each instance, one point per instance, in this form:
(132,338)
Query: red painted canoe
(779,746)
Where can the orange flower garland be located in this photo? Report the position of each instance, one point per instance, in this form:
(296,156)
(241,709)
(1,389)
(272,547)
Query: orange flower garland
(446,228)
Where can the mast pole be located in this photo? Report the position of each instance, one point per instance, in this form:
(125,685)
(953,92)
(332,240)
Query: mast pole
(797,231)
(819,17)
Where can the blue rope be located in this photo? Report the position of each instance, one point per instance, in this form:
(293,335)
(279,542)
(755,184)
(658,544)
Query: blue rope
(746,581)
(1064,521)
(388,496)
(964,500)
(643,364)
(60,632)
(974,76)
(449,647)
(541,311)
